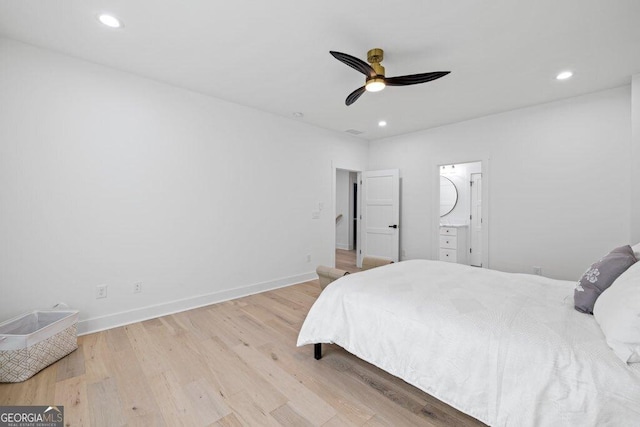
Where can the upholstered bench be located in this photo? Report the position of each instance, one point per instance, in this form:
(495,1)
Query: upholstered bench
(374,261)
(327,275)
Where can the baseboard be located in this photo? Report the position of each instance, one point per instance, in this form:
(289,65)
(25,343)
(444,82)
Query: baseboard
(97,324)
(343,246)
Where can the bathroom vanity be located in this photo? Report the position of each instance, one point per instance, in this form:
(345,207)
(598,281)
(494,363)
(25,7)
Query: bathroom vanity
(453,243)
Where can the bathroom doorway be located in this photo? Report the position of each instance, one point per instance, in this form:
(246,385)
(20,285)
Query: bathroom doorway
(461,232)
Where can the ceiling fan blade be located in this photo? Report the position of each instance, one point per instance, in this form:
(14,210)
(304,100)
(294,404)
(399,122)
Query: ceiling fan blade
(355,63)
(414,79)
(353,96)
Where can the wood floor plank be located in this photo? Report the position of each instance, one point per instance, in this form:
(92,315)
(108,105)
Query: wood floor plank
(105,408)
(94,348)
(73,392)
(258,312)
(225,329)
(71,366)
(134,391)
(182,356)
(301,399)
(284,331)
(339,421)
(279,310)
(9,394)
(174,406)
(150,354)
(199,322)
(235,376)
(40,389)
(117,339)
(376,421)
(288,417)
(317,378)
(230,420)
(311,288)
(298,296)
(248,412)
(208,404)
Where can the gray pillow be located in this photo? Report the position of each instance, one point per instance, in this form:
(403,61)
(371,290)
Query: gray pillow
(600,276)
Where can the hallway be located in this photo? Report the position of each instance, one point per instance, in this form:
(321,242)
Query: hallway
(346,260)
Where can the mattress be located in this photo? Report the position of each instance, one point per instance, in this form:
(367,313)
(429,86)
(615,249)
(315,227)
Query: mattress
(505,348)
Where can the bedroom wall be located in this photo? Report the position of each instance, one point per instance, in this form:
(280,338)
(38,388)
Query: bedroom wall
(558,178)
(635,159)
(109,178)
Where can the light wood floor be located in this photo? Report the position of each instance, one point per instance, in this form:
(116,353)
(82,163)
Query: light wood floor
(228,364)
(346,260)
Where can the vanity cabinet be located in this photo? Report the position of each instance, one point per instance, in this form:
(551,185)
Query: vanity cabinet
(453,244)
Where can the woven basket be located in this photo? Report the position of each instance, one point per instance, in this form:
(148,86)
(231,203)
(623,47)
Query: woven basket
(37,350)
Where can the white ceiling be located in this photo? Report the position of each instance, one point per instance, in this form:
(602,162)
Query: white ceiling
(274,55)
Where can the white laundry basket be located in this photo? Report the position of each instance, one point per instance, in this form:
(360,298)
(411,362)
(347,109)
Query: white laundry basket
(33,341)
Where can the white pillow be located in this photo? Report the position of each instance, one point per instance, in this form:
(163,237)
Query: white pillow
(636,251)
(617,311)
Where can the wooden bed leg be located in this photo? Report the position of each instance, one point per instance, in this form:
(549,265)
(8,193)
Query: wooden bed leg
(317,351)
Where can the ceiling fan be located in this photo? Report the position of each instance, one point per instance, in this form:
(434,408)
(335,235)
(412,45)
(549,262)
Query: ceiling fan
(375,79)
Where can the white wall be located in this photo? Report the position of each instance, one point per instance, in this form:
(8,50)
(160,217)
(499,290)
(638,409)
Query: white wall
(342,208)
(109,178)
(558,180)
(635,159)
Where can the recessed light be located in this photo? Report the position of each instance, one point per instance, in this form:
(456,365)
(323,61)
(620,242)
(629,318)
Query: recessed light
(109,20)
(564,75)
(298,114)
(382,123)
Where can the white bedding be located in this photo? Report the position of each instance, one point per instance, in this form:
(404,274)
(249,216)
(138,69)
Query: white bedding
(507,349)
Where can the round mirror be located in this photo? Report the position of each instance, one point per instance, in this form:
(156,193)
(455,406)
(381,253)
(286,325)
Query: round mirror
(448,195)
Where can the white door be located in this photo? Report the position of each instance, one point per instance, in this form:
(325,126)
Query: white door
(380,232)
(476,220)
(359,222)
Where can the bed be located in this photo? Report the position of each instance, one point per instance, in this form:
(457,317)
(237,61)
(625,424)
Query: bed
(507,349)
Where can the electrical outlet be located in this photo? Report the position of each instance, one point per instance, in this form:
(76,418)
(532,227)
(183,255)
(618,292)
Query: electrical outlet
(101,291)
(137,287)
(537,271)
(308,257)
(404,253)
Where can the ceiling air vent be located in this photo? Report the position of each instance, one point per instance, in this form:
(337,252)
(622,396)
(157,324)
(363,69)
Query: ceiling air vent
(353,131)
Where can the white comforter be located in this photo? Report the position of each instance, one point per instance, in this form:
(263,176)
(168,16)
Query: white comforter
(507,349)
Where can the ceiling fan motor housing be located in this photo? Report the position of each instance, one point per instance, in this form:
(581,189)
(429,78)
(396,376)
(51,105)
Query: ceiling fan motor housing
(375,57)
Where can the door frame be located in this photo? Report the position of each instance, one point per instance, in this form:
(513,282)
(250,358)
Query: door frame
(435,225)
(471,232)
(335,165)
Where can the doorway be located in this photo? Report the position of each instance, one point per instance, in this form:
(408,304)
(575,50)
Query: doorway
(346,215)
(462,214)
(373,205)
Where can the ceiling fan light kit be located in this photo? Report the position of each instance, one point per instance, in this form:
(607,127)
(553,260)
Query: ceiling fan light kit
(375,74)
(375,84)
